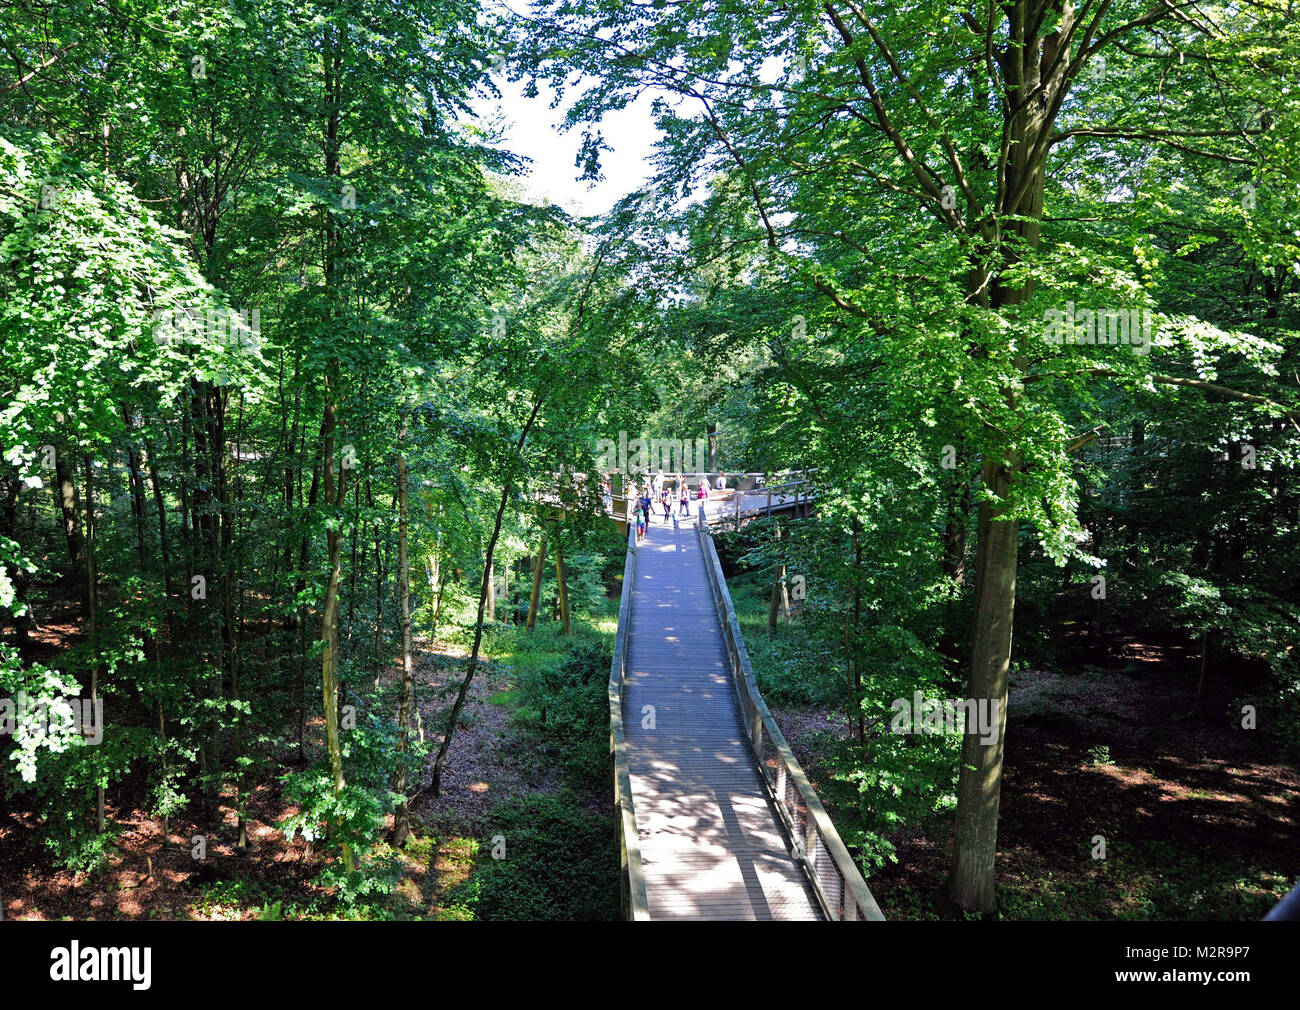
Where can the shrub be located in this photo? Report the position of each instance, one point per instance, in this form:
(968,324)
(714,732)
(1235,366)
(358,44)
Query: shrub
(560,863)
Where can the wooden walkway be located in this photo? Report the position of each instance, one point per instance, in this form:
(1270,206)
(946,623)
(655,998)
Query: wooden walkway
(712,846)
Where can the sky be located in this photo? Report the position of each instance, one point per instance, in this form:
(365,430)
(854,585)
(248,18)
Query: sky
(532,130)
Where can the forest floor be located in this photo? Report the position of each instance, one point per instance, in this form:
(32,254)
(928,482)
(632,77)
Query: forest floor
(1199,819)
(147,872)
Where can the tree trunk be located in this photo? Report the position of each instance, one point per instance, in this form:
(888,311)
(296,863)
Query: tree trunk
(155,483)
(402,816)
(135,485)
(234,611)
(954,568)
(537,582)
(381,573)
(329,633)
(857,621)
(1027,125)
(92,613)
(335,499)
(66,499)
(778,583)
(482,605)
(970,884)
(1203,683)
(563,582)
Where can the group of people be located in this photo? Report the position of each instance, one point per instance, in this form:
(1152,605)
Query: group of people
(657,492)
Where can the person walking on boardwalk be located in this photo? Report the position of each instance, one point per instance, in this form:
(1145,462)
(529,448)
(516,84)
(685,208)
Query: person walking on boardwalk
(663,501)
(684,501)
(645,506)
(640,522)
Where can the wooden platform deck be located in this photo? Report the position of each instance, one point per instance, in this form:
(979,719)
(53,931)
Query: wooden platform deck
(726,510)
(712,846)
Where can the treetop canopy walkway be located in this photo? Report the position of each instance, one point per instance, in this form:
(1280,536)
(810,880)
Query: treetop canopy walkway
(716,818)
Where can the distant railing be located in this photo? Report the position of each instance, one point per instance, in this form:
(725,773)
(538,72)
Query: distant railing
(633,900)
(843,894)
(724,505)
(778,493)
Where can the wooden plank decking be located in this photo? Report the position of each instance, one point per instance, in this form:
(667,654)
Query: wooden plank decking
(712,847)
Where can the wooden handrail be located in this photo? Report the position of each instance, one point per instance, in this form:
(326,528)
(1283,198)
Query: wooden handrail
(856,901)
(635,905)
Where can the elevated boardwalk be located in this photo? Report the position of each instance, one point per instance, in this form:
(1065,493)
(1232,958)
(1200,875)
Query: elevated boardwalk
(712,846)
(717,820)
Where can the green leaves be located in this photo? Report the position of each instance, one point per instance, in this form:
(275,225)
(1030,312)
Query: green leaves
(87,270)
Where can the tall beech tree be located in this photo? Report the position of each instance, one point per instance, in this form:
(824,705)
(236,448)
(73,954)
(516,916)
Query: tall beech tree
(905,164)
